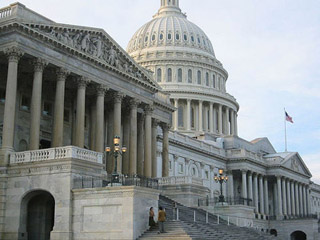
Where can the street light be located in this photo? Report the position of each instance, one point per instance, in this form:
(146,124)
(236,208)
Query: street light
(221,179)
(116,152)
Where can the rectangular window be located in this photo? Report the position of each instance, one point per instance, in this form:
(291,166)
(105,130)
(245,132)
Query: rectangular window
(207,174)
(25,103)
(180,168)
(170,165)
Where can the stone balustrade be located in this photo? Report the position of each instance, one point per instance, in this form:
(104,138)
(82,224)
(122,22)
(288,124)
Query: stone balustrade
(56,153)
(237,153)
(180,180)
(5,12)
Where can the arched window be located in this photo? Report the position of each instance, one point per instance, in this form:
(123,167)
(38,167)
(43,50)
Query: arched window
(159,75)
(146,39)
(169,78)
(177,36)
(189,76)
(179,75)
(169,36)
(207,79)
(213,81)
(153,37)
(161,36)
(185,37)
(192,118)
(199,77)
(192,38)
(180,116)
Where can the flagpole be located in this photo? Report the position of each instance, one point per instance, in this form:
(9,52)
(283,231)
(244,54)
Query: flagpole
(285,130)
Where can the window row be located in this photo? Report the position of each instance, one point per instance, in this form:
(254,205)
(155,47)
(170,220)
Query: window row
(189,77)
(177,37)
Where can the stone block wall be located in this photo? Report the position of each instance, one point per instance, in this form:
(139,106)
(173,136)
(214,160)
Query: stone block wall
(112,212)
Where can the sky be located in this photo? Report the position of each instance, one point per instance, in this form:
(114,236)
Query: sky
(270,48)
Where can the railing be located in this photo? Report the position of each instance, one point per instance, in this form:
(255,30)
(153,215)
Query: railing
(230,201)
(180,180)
(244,153)
(124,180)
(5,12)
(56,153)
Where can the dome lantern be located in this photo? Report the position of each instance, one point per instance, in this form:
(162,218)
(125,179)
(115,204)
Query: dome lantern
(169,7)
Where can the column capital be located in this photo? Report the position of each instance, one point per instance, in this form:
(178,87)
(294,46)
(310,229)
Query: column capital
(101,90)
(188,100)
(165,126)
(83,82)
(133,103)
(118,96)
(155,123)
(39,64)
(175,156)
(250,173)
(13,53)
(187,160)
(243,171)
(148,109)
(62,74)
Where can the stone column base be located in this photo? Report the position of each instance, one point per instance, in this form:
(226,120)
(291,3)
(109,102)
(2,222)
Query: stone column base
(56,235)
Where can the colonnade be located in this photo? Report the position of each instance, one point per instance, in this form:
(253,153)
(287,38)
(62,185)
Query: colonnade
(290,198)
(210,117)
(147,136)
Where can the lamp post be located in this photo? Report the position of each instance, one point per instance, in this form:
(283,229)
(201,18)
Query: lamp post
(116,152)
(221,179)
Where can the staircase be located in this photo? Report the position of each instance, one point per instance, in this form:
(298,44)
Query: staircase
(186,228)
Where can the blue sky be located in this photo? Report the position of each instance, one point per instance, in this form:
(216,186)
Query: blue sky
(270,48)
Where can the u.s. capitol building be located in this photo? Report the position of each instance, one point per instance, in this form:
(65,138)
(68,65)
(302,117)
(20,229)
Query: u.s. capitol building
(71,100)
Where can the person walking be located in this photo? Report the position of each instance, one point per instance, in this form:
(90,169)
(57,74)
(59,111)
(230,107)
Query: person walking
(161,220)
(152,223)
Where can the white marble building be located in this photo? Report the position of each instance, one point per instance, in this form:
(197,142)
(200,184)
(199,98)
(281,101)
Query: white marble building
(66,91)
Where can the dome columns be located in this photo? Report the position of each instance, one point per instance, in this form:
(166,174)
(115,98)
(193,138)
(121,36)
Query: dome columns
(200,116)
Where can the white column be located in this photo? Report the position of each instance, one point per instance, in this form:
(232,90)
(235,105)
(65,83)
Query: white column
(230,185)
(14,54)
(244,184)
(220,119)
(99,143)
(117,124)
(236,124)
(289,208)
(148,136)
(81,110)
(35,112)
(214,119)
(297,199)
(280,213)
(266,196)
(211,117)
(308,200)
(284,197)
(300,200)
(175,115)
(261,194)
(154,147)
(304,193)
(133,137)
(188,114)
(200,117)
(227,121)
(250,190)
(165,150)
(232,122)
(140,151)
(57,140)
(255,193)
(293,202)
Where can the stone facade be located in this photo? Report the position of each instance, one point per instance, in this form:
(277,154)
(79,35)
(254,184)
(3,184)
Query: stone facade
(66,91)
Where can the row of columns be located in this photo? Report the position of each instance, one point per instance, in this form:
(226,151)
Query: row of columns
(293,198)
(150,137)
(226,122)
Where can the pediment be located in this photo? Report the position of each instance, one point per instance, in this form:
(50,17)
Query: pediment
(294,162)
(96,45)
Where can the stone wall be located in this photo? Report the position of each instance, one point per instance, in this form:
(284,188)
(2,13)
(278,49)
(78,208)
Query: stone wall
(112,213)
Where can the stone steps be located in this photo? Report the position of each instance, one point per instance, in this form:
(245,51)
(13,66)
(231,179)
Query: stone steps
(186,228)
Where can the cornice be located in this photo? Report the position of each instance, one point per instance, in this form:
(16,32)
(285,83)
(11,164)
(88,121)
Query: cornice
(137,73)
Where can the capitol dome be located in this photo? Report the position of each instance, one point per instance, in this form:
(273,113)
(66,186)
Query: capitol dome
(184,64)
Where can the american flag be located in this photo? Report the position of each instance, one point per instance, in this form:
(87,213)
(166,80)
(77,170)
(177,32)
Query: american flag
(288,118)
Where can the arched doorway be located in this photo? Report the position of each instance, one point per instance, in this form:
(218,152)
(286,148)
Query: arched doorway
(298,235)
(273,232)
(37,215)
